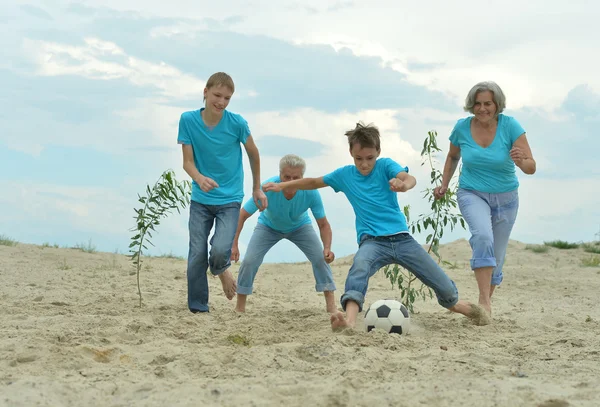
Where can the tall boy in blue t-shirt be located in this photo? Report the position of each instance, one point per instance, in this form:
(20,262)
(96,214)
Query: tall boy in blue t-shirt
(212,157)
(371,185)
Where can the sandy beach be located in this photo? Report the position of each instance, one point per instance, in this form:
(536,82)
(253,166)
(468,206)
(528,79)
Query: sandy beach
(72,334)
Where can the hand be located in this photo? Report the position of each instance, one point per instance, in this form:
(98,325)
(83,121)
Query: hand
(397,185)
(206,184)
(517,155)
(271,187)
(260,199)
(328,255)
(235,252)
(439,192)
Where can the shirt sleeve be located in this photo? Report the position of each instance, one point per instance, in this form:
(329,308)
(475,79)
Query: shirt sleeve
(244,130)
(514,129)
(316,207)
(455,134)
(392,168)
(334,179)
(250,206)
(183,136)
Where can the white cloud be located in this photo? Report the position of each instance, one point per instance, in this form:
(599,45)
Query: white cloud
(96,60)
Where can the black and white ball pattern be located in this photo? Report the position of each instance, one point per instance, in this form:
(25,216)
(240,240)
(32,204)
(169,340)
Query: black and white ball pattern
(389,315)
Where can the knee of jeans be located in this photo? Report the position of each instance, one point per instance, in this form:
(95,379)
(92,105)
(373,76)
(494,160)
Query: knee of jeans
(482,243)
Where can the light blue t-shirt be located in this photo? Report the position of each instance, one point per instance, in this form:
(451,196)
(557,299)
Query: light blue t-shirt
(217,155)
(375,205)
(487,169)
(285,215)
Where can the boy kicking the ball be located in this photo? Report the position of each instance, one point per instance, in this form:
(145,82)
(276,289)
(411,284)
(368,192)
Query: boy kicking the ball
(371,185)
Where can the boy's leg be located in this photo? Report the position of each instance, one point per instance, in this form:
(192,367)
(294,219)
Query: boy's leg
(226,218)
(412,256)
(263,238)
(477,213)
(200,223)
(503,219)
(370,257)
(307,240)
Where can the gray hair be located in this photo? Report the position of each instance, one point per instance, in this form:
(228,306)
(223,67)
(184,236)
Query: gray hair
(293,161)
(498,96)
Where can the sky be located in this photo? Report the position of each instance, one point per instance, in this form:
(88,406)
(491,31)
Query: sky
(93,91)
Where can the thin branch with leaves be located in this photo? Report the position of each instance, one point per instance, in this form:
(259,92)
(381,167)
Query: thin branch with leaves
(166,195)
(443,214)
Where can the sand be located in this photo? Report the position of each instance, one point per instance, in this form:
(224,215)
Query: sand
(72,334)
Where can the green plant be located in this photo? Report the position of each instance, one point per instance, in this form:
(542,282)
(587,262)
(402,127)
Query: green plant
(160,200)
(591,248)
(7,241)
(443,214)
(592,261)
(561,244)
(536,248)
(88,247)
(64,265)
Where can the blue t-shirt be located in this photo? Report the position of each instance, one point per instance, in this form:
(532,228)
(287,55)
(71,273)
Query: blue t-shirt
(217,155)
(487,169)
(285,215)
(375,205)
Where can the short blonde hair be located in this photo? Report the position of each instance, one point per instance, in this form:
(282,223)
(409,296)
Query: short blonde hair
(220,79)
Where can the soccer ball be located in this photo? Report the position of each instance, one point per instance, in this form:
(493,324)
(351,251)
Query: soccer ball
(390,315)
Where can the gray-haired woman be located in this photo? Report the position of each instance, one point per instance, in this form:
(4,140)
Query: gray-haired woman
(490,144)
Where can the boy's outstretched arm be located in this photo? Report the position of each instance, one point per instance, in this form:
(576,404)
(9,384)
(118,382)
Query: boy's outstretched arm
(403,182)
(260,199)
(235,249)
(304,184)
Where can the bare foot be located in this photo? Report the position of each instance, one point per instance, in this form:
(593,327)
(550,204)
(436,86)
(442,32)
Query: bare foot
(479,315)
(240,305)
(338,322)
(475,313)
(229,284)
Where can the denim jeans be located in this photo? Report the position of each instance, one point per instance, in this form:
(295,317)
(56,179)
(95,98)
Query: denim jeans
(377,252)
(202,218)
(490,218)
(265,237)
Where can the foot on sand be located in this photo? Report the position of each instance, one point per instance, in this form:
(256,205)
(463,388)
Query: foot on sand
(479,315)
(338,322)
(229,284)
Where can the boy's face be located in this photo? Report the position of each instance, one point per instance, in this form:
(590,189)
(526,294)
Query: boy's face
(217,98)
(364,158)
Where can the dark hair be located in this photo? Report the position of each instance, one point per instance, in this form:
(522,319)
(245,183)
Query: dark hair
(367,136)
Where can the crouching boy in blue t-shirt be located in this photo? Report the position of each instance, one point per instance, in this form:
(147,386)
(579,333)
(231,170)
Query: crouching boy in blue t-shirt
(371,185)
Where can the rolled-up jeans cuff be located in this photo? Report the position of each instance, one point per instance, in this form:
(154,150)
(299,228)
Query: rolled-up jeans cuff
(355,296)
(325,287)
(481,262)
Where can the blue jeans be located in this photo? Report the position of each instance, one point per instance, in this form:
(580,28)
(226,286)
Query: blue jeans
(377,252)
(490,218)
(265,237)
(202,218)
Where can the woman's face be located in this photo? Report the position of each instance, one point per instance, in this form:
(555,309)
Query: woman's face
(484,108)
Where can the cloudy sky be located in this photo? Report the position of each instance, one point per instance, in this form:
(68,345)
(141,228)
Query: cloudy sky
(92,93)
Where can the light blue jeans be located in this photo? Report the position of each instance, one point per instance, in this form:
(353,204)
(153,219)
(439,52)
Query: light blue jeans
(490,218)
(202,218)
(377,252)
(265,237)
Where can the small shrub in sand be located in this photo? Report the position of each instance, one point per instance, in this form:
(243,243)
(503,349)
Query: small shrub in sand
(591,248)
(537,248)
(7,241)
(443,215)
(593,261)
(160,200)
(561,244)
